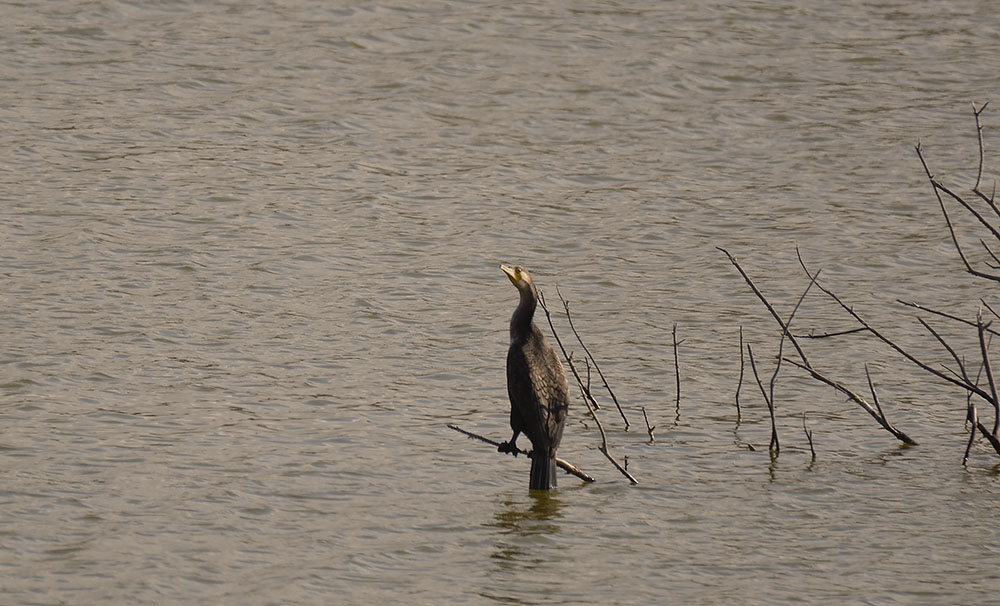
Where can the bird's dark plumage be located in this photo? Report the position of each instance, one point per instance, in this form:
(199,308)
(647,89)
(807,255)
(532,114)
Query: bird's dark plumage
(536,385)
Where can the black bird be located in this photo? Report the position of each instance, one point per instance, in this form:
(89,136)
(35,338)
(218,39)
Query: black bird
(536,385)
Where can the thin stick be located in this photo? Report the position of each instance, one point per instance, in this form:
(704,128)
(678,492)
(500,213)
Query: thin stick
(828,335)
(992,311)
(648,428)
(973,416)
(766,303)
(938,188)
(989,370)
(739,384)
(604,437)
(774,447)
(871,387)
(805,365)
(982,147)
(900,350)
(590,357)
(561,463)
(942,314)
(587,400)
(954,354)
(902,437)
(677,371)
(784,333)
(809,436)
(588,396)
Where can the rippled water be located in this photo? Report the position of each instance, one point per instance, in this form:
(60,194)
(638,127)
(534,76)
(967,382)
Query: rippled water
(250,272)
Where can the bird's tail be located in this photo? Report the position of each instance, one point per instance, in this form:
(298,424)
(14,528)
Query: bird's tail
(543,473)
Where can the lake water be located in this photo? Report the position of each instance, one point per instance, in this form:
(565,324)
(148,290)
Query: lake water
(250,261)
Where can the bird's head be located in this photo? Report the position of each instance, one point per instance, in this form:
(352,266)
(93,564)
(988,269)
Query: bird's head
(519,277)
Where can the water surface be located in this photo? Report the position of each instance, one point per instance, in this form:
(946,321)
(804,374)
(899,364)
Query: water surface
(250,260)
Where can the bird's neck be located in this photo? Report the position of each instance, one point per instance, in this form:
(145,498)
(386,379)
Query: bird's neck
(520,322)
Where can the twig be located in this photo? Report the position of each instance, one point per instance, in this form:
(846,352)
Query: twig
(809,436)
(989,370)
(860,401)
(940,313)
(805,365)
(739,384)
(938,188)
(973,417)
(604,437)
(648,428)
(569,318)
(561,463)
(992,311)
(961,383)
(677,371)
(587,400)
(871,387)
(982,150)
(828,335)
(587,395)
(784,333)
(766,303)
(774,447)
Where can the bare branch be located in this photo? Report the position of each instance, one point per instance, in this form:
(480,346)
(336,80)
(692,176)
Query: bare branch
(561,463)
(774,447)
(828,335)
(648,428)
(941,313)
(590,357)
(954,355)
(893,345)
(739,384)
(938,188)
(767,304)
(982,147)
(973,417)
(871,387)
(604,437)
(809,436)
(902,437)
(588,398)
(989,370)
(677,370)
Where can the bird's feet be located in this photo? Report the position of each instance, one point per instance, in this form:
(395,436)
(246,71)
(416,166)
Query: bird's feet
(507,448)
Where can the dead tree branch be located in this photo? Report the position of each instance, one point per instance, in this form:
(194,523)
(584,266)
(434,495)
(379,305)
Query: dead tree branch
(649,429)
(809,436)
(806,365)
(939,188)
(569,317)
(561,463)
(739,384)
(774,446)
(587,397)
(677,371)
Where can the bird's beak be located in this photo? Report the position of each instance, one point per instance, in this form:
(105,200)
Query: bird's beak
(507,269)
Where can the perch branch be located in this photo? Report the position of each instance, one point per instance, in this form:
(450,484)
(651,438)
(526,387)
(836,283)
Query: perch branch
(561,463)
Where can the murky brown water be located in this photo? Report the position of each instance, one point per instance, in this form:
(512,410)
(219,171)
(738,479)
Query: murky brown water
(250,272)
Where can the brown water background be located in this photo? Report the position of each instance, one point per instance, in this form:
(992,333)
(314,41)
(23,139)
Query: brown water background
(249,260)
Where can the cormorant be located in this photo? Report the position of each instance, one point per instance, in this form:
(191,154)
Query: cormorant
(536,385)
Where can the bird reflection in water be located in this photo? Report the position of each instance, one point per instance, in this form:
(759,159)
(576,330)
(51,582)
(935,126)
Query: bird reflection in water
(519,522)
